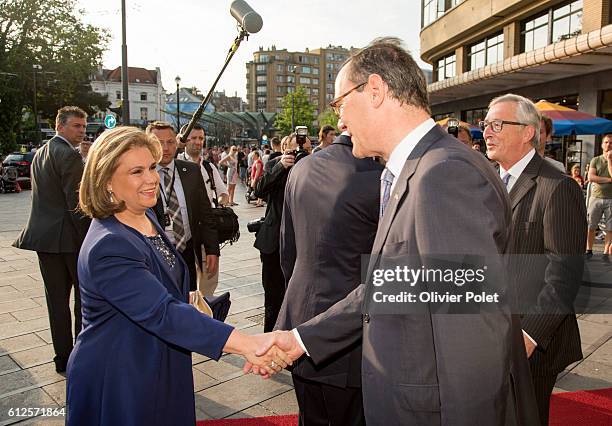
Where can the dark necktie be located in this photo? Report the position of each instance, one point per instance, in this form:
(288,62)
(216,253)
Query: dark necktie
(174,210)
(385,189)
(506,179)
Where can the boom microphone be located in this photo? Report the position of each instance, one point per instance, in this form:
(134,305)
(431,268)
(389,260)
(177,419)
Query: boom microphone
(248,19)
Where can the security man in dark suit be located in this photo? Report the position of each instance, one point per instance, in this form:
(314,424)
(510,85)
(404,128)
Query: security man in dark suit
(55,229)
(271,187)
(183,208)
(549,233)
(329,220)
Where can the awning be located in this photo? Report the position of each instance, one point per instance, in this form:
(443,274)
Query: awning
(584,54)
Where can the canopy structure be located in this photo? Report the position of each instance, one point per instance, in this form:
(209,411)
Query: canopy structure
(474,130)
(567,121)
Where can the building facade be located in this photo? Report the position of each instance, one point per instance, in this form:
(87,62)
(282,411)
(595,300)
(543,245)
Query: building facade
(146,94)
(274,73)
(559,50)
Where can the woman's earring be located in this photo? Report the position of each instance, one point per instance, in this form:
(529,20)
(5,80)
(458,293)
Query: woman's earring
(110,192)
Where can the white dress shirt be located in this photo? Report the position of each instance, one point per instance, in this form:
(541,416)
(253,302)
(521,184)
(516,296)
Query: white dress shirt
(180,195)
(402,151)
(219,184)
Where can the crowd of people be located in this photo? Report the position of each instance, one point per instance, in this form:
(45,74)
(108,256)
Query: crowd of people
(125,225)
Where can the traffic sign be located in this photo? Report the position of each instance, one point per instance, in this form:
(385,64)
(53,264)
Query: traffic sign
(110,121)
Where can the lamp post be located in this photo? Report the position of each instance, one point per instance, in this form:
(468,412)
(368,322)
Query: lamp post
(293,70)
(125,103)
(177,80)
(35,68)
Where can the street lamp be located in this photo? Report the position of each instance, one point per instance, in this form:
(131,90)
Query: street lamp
(177,80)
(293,70)
(35,68)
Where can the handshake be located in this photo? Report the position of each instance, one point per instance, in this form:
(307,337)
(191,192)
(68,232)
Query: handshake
(266,354)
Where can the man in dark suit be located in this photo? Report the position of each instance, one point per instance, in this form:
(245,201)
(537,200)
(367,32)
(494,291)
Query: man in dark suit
(55,229)
(183,208)
(271,187)
(549,218)
(329,220)
(422,367)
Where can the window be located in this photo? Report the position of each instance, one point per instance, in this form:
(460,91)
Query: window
(433,9)
(263,58)
(330,67)
(304,80)
(281,79)
(291,79)
(446,67)
(306,70)
(143,96)
(329,97)
(553,25)
(290,68)
(281,89)
(567,21)
(315,91)
(261,67)
(290,89)
(144,114)
(118,94)
(315,71)
(307,90)
(279,100)
(280,68)
(315,81)
(487,51)
(262,89)
(261,78)
(330,88)
(315,60)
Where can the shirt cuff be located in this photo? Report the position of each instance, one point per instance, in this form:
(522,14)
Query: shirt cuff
(530,338)
(299,340)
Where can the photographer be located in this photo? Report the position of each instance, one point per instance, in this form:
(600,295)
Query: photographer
(271,187)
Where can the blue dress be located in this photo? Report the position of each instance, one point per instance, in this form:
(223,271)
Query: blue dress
(131,364)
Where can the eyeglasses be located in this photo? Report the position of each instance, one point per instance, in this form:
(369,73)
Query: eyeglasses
(498,125)
(336,105)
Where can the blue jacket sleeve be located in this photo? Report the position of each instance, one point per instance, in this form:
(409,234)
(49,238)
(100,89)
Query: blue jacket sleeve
(120,272)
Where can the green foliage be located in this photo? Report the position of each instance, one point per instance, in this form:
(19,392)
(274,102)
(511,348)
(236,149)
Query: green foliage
(50,34)
(303,112)
(328,117)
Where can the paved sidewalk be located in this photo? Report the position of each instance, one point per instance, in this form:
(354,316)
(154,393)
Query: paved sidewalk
(27,374)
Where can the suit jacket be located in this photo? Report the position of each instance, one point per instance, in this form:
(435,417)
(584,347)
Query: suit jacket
(132,362)
(198,209)
(549,220)
(450,369)
(329,221)
(55,225)
(271,187)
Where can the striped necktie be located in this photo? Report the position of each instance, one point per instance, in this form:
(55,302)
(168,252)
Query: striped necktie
(174,210)
(385,189)
(506,179)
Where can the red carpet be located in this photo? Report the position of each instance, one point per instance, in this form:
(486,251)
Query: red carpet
(592,408)
(588,408)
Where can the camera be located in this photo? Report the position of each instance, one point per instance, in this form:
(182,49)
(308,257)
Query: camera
(255,225)
(452,126)
(301,136)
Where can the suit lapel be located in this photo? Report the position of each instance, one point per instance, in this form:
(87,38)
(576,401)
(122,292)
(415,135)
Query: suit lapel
(402,186)
(186,183)
(526,181)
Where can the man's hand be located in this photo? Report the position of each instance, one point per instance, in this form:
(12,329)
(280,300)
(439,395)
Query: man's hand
(212,264)
(266,365)
(529,346)
(271,342)
(287,160)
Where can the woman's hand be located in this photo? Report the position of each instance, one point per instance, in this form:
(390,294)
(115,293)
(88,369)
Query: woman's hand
(268,364)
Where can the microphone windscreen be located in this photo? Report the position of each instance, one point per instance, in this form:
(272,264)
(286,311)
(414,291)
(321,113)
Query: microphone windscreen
(246,16)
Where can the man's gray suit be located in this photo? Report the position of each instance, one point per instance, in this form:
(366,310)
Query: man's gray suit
(55,230)
(549,222)
(429,369)
(329,221)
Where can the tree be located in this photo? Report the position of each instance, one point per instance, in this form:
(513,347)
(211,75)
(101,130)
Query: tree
(303,111)
(50,34)
(328,117)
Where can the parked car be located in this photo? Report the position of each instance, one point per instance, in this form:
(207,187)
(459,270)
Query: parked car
(22,161)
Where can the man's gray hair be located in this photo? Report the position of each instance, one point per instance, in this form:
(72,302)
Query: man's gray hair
(526,112)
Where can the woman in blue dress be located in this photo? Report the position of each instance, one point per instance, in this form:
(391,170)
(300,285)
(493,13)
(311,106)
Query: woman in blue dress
(132,361)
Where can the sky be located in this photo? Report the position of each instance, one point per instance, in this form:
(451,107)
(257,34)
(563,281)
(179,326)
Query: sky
(191,38)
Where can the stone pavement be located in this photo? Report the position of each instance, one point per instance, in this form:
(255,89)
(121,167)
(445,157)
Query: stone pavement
(28,378)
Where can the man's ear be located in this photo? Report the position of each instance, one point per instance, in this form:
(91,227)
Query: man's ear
(378,89)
